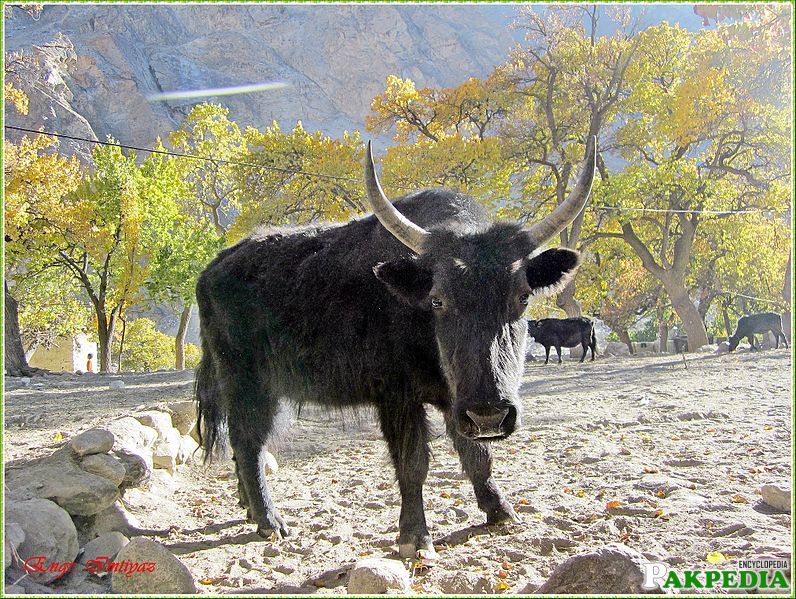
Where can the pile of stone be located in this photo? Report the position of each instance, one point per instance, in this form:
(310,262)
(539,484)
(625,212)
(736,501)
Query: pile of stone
(67,507)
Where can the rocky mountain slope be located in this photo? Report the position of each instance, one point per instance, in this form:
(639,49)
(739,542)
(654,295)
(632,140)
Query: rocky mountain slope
(334,60)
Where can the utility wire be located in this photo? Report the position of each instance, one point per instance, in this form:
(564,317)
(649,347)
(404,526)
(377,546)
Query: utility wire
(336,177)
(190,156)
(629,209)
(757,299)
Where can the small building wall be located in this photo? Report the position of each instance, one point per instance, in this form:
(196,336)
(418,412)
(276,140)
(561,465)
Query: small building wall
(67,354)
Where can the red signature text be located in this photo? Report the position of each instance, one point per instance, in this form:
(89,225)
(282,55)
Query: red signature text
(101,564)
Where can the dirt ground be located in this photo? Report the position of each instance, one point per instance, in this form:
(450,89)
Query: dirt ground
(682,446)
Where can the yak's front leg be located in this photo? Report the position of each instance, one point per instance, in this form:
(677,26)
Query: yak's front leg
(405,429)
(476,460)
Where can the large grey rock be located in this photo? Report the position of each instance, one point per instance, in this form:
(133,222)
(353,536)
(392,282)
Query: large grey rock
(160,421)
(377,576)
(105,466)
(463,582)
(162,572)
(166,449)
(137,466)
(14,537)
(183,415)
(132,435)
(777,496)
(172,48)
(60,478)
(93,441)
(102,549)
(187,451)
(612,569)
(49,532)
(114,519)
(616,348)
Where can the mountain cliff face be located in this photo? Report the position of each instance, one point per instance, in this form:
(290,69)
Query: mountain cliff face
(334,60)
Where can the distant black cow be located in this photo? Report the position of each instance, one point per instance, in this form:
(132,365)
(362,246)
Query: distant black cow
(566,332)
(758,323)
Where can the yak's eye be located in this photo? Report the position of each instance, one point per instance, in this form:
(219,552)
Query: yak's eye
(436,303)
(524,298)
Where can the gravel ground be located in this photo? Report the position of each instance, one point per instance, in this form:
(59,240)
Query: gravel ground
(680,447)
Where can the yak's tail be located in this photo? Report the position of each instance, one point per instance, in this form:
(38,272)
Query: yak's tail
(211,414)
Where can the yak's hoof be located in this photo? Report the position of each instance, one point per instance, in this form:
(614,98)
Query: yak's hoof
(503,515)
(273,528)
(417,547)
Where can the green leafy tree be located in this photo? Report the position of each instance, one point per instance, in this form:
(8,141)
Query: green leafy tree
(36,179)
(276,189)
(180,240)
(698,141)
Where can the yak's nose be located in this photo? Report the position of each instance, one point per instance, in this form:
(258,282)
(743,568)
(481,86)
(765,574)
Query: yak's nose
(488,421)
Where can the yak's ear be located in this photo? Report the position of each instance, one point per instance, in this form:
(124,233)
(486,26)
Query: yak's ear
(550,271)
(406,279)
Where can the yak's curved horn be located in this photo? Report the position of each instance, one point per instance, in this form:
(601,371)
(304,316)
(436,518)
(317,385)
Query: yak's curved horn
(564,214)
(396,223)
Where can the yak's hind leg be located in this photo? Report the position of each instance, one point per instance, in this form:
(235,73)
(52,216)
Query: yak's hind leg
(476,460)
(585,345)
(251,419)
(405,429)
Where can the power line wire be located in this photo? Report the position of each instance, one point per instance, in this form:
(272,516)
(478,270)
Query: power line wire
(338,177)
(190,156)
(630,209)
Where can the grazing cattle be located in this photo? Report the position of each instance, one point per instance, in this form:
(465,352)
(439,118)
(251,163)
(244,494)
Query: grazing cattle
(757,323)
(564,332)
(420,304)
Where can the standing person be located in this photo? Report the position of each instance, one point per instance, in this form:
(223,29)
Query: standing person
(90,363)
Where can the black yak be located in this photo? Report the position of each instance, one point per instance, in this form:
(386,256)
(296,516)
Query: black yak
(420,304)
(757,323)
(566,332)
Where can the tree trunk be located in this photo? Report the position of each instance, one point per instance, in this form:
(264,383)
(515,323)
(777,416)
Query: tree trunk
(179,342)
(726,317)
(15,362)
(624,337)
(567,302)
(663,335)
(105,330)
(689,316)
(786,296)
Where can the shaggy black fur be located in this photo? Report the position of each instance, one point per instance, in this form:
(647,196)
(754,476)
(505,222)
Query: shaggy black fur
(566,332)
(346,316)
(757,323)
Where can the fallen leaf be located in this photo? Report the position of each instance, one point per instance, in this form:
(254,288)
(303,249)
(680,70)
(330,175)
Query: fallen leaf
(739,499)
(714,557)
(613,504)
(502,574)
(651,470)
(59,436)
